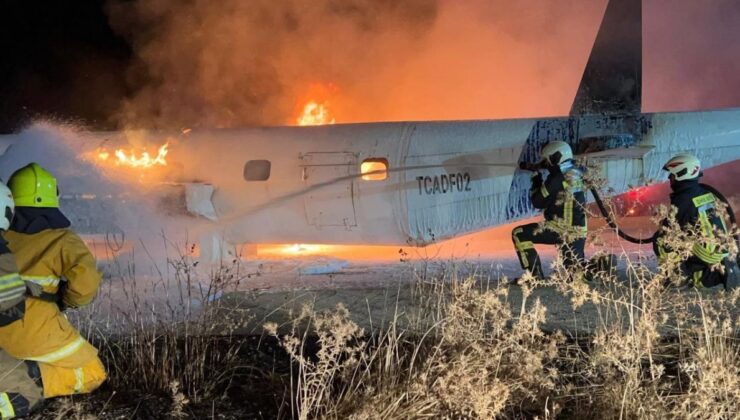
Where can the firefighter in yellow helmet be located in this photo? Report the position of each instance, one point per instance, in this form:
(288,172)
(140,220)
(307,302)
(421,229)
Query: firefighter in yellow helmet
(58,271)
(696,206)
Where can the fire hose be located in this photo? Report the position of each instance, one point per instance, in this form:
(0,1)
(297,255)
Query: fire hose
(624,235)
(629,238)
(612,224)
(733,276)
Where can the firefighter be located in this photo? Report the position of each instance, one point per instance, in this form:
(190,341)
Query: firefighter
(562,198)
(18,391)
(58,271)
(696,207)
(12,288)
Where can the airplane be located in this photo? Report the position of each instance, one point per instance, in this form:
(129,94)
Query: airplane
(387,183)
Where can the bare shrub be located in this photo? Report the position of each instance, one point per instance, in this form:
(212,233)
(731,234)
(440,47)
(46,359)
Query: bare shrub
(476,361)
(656,350)
(340,346)
(172,331)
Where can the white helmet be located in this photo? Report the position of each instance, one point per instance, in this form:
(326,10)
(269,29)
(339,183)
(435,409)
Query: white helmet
(683,166)
(557,152)
(7,206)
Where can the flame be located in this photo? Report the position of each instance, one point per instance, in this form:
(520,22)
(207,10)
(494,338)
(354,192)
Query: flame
(303,249)
(133,159)
(313,107)
(315,113)
(636,194)
(635,198)
(374,170)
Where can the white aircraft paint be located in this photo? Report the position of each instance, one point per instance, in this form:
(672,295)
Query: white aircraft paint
(445,178)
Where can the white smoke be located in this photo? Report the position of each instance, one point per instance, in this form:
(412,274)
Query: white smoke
(100,203)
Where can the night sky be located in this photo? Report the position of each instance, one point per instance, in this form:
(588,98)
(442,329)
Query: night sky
(57,58)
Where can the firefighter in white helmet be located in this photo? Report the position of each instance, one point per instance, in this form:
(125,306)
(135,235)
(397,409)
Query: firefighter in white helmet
(19,392)
(696,207)
(562,198)
(12,288)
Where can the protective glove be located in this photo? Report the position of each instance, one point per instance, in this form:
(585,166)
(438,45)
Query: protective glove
(536,180)
(60,296)
(732,274)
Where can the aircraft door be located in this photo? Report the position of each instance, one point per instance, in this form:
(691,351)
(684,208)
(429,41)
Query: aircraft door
(330,200)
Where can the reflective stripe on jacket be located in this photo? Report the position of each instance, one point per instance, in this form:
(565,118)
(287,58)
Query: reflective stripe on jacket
(12,288)
(697,206)
(6,407)
(562,196)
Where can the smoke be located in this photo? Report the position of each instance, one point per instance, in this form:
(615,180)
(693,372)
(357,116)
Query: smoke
(53,147)
(690,56)
(236,63)
(102,203)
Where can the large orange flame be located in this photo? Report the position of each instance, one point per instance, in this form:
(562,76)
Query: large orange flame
(131,158)
(314,107)
(315,113)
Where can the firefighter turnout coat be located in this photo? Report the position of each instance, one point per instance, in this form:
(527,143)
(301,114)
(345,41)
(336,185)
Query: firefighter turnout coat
(696,206)
(68,363)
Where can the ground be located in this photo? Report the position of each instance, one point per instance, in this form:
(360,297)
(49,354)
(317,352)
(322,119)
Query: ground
(376,291)
(373,282)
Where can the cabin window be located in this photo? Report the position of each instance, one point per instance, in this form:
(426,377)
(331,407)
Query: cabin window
(257,170)
(374,169)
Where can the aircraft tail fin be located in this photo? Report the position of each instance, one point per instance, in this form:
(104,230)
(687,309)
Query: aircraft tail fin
(612,80)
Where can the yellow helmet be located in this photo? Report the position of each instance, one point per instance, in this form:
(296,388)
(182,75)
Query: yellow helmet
(34,186)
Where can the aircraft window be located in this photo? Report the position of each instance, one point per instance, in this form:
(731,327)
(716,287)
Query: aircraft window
(374,169)
(257,170)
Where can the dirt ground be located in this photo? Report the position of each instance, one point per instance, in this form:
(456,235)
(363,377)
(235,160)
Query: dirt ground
(373,302)
(377,283)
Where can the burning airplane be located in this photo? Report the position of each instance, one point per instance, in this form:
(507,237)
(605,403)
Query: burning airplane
(405,183)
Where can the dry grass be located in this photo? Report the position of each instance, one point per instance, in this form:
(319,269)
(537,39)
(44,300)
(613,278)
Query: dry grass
(166,345)
(169,337)
(675,355)
(656,352)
